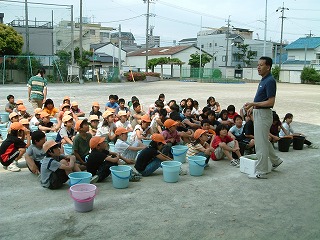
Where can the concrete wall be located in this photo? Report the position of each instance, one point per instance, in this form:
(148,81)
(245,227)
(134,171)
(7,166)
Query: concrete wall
(290,76)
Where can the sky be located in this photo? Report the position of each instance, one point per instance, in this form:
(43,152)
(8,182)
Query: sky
(179,19)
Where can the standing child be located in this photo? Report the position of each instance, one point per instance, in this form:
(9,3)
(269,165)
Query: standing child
(224,146)
(80,145)
(55,171)
(150,158)
(13,147)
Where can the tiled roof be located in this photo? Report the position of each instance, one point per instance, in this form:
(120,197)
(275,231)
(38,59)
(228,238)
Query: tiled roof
(302,43)
(160,51)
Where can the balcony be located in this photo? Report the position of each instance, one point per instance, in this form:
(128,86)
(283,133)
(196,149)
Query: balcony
(315,62)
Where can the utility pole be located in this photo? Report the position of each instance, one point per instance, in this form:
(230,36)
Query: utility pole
(27,27)
(80,39)
(72,36)
(265,29)
(281,9)
(200,51)
(227,48)
(309,35)
(147,32)
(119,53)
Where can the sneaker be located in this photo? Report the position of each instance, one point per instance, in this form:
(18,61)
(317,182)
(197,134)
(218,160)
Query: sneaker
(206,166)
(258,176)
(94,179)
(274,166)
(13,167)
(134,178)
(235,163)
(312,146)
(183,172)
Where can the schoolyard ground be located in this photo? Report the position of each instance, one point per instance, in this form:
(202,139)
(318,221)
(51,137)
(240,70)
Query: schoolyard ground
(221,204)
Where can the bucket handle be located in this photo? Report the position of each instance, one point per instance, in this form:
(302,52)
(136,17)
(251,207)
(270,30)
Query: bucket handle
(74,183)
(83,200)
(124,178)
(179,154)
(200,165)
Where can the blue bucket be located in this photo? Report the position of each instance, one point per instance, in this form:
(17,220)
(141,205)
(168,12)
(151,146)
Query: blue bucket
(3,125)
(79,177)
(146,142)
(120,176)
(34,128)
(171,170)
(67,149)
(179,153)
(51,136)
(53,120)
(196,165)
(4,117)
(4,133)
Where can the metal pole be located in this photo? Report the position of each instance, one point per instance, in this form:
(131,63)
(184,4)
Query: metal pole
(72,36)
(147,34)
(227,48)
(27,27)
(200,50)
(265,29)
(119,53)
(52,49)
(80,39)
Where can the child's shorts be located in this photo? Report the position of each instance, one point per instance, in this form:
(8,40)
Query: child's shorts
(57,179)
(219,151)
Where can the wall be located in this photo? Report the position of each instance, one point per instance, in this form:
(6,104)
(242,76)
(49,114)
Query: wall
(290,76)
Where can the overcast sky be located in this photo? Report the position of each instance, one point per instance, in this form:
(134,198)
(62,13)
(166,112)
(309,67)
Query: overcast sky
(175,20)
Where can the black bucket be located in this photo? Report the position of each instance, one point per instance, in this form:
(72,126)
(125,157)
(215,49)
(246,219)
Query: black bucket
(284,144)
(298,142)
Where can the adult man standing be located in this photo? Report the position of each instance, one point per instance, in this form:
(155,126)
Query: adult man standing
(262,115)
(37,89)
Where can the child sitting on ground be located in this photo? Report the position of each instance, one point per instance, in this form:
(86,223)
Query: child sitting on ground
(127,152)
(200,147)
(93,124)
(35,153)
(156,124)
(224,145)
(123,121)
(23,112)
(66,133)
(76,110)
(122,107)
(80,145)
(275,128)
(213,105)
(205,125)
(95,109)
(136,114)
(171,136)
(107,127)
(10,104)
(50,109)
(100,160)
(142,131)
(35,120)
(150,158)
(45,125)
(112,102)
(13,147)
(54,170)
(223,118)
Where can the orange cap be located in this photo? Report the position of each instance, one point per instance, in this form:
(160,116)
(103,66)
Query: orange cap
(17,126)
(67,113)
(120,130)
(145,118)
(44,114)
(66,118)
(65,105)
(107,114)
(49,144)
(37,111)
(22,108)
(24,121)
(169,123)
(66,98)
(74,104)
(79,122)
(95,104)
(13,114)
(19,102)
(198,133)
(122,113)
(94,141)
(93,117)
(156,137)
(111,110)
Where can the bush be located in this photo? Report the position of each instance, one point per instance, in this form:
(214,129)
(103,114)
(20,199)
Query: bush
(276,72)
(309,75)
(138,76)
(153,74)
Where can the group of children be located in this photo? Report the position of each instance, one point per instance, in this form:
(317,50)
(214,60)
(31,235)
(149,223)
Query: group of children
(125,135)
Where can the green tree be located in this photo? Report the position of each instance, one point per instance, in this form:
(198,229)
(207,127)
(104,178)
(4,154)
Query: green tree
(275,71)
(310,75)
(244,55)
(11,41)
(24,64)
(194,60)
(84,61)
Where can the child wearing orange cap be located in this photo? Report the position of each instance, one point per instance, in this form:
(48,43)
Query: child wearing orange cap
(107,127)
(128,152)
(35,120)
(67,132)
(80,145)
(200,146)
(76,110)
(93,124)
(95,110)
(45,125)
(123,121)
(136,114)
(54,170)
(22,111)
(142,130)
(49,108)
(150,158)
(13,147)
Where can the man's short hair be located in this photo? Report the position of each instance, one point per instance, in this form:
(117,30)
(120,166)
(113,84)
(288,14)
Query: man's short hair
(268,61)
(10,96)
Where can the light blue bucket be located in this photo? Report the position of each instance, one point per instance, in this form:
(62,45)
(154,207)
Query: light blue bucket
(53,120)
(4,117)
(51,136)
(3,125)
(171,170)
(79,177)
(34,128)
(67,149)
(196,165)
(179,153)
(4,133)
(146,142)
(120,176)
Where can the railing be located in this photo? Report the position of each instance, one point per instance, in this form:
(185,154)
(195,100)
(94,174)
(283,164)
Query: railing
(31,24)
(315,62)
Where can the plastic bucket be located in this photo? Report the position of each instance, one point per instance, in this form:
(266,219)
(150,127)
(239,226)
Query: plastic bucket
(284,144)
(146,142)
(4,117)
(79,177)
(34,128)
(196,165)
(67,149)
(53,120)
(298,142)
(120,176)
(3,125)
(111,147)
(83,196)
(4,133)
(179,153)
(51,136)
(171,170)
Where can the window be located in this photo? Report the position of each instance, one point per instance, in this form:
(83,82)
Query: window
(92,32)
(223,58)
(210,45)
(59,42)
(215,44)
(202,46)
